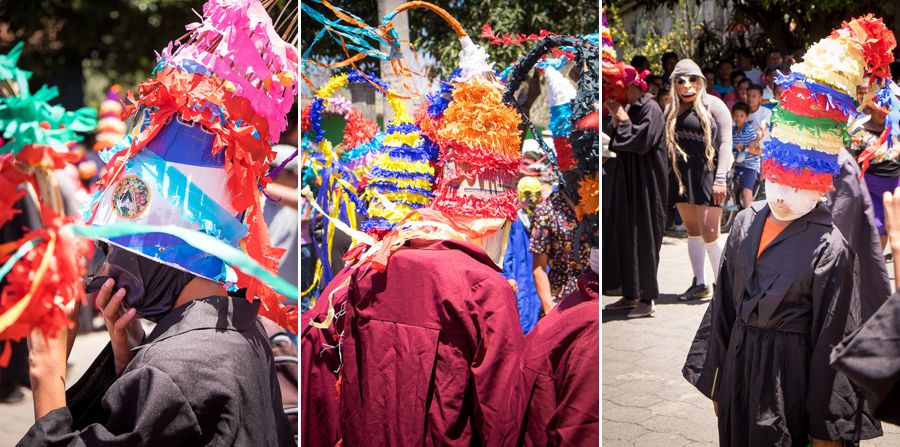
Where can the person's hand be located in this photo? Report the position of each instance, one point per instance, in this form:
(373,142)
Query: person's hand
(514,285)
(117,326)
(892,218)
(47,356)
(616,110)
(718,193)
(824,443)
(47,368)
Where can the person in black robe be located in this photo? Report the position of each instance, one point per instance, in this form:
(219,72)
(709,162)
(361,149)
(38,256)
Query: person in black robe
(852,213)
(204,376)
(871,357)
(762,350)
(634,207)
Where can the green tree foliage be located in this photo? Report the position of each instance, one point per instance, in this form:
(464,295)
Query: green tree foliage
(431,35)
(790,25)
(108,41)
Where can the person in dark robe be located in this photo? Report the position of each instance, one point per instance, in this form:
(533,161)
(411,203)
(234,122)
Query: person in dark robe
(203,376)
(561,371)
(634,206)
(851,211)
(761,352)
(871,357)
(422,353)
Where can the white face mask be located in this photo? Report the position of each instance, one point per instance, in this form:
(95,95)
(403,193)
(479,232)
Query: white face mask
(595,260)
(787,203)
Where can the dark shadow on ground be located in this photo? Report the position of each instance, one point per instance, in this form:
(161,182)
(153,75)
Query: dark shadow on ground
(671,298)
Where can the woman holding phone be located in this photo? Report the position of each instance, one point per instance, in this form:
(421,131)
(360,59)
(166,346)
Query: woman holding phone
(698,136)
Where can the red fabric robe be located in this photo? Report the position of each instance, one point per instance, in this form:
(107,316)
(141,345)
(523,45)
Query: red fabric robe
(429,353)
(560,372)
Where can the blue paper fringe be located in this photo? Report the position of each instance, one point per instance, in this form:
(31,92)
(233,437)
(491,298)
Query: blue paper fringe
(793,156)
(836,99)
(384,187)
(560,125)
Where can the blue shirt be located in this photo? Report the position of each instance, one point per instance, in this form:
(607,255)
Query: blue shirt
(744,137)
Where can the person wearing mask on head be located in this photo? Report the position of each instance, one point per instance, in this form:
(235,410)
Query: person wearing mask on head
(635,214)
(669,59)
(745,64)
(883,173)
(787,291)
(517,259)
(698,137)
(724,85)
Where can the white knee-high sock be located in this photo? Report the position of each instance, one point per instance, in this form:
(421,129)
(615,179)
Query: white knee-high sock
(714,249)
(698,258)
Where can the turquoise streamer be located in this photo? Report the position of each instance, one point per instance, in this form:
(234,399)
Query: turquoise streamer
(19,254)
(201,241)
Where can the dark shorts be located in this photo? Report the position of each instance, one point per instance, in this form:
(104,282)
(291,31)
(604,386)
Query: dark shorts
(746,177)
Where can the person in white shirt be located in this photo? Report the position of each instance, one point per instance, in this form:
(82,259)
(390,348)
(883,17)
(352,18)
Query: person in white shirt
(745,64)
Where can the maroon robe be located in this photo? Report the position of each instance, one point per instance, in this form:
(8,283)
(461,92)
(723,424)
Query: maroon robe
(561,372)
(430,353)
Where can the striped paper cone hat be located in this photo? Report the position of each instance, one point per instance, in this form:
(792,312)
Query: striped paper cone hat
(809,126)
(198,154)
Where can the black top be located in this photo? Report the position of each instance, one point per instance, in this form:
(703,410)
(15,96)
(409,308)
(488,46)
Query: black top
(204,376)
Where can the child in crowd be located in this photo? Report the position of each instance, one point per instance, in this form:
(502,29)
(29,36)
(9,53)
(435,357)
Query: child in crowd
(746,152)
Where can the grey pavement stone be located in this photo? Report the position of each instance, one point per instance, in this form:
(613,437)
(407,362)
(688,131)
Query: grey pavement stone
(646,402)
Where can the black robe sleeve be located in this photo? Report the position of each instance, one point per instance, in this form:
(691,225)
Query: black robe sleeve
(707,354)
(145,407)
(642,132)
(834,407)
(871,359)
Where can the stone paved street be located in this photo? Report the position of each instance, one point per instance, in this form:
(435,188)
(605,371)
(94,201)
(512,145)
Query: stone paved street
(18,418)
(646,402)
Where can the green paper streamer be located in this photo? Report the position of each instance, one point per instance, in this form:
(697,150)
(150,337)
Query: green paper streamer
(201,241)
(813,126)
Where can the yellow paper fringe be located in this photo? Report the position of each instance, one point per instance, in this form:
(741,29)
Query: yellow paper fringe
(827,143)
(334,84)
(399,139)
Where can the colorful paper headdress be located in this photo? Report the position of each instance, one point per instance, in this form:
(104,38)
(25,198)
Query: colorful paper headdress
(810,124)
(42,270)
(198,155)
(583,139)
(479,141)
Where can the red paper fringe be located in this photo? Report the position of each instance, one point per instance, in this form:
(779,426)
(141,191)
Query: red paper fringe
(874,40)
(246,159)
(358,130)
(512,39)
(56,290)
(10,179)
(776,172)
(564,157)
(800,101)
(504,205)
(614,82)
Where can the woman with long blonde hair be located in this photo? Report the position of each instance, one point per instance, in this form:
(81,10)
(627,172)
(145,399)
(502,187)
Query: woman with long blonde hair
(698,135)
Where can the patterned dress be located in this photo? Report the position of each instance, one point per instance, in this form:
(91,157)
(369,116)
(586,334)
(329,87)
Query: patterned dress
(553,234)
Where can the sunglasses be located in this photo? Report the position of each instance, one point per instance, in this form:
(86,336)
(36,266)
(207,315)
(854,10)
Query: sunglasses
(692,78)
